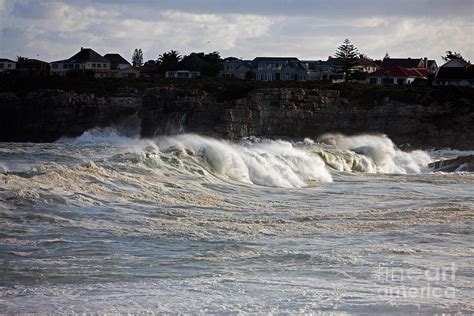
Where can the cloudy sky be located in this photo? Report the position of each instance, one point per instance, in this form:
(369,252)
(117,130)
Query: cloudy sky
(308,29)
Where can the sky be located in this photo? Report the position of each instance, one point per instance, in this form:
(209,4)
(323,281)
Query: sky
(307,29)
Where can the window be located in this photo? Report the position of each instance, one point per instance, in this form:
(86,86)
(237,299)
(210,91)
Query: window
(104,65)
(1,66)
(70,66)
(400,81)
(99,65)
(64,66)
(77,66)
(55,66)
(287,77)
(93,65)
(9,65)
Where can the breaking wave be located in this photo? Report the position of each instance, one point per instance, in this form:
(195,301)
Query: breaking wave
(268,162)
(371,154)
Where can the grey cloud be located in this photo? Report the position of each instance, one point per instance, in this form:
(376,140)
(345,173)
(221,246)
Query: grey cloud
(323,8)
(33,9)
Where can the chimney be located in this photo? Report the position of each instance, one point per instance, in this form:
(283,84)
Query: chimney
(425,62)
(82,48)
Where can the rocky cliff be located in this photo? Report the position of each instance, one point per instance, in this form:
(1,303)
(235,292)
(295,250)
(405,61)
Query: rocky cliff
(47,115)
(306,113)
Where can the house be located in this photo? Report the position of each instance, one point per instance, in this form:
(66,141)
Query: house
(86,60)
(365,65)
(33,67)
(331,69)
(411,63)
(398,75)
(235,68)
(7,65)
(130,72)
(279,68)
(117,62)
(456,72)
(182,74)
(148,71)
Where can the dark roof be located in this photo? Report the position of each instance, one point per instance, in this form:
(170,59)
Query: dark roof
(31,61)
(402,62)
(275,59)
(452,73)
(366,62)
(6,60)
(398,71)
(84,55)
(460,61)
(432,62)
(116,59)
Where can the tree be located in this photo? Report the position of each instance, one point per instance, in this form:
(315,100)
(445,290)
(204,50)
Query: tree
(137,58)
(208,65)
(169,60)
(452,56)
(21,58)
(347,53)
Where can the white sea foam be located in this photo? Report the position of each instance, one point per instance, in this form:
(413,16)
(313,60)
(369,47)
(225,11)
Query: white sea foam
(377,153)
(270,163)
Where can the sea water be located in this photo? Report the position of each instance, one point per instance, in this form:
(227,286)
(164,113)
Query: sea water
(105,223)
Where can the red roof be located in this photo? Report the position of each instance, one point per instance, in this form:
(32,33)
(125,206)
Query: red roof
(398,71)
(145,69)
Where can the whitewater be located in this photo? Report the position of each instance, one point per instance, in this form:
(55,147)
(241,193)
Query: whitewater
(111,223)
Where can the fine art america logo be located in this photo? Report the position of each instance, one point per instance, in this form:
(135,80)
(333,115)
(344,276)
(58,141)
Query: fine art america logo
(429,282)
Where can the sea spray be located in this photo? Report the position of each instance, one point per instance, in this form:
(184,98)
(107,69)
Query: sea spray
(268,162)
(383,155)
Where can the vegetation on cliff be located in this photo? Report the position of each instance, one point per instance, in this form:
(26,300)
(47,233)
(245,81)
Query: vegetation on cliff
(364,94)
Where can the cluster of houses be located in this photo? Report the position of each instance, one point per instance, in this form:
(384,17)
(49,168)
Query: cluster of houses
(395,71)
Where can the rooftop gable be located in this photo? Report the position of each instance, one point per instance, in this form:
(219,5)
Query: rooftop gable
(402,62)
(116,59)
(86,55)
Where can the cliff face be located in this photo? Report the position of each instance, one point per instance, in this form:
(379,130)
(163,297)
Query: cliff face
(305,113)
(48,115)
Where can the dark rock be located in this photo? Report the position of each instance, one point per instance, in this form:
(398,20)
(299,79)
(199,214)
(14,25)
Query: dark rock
(46,115)
(464,163)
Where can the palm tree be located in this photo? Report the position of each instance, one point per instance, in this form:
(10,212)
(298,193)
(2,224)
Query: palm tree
(169,60)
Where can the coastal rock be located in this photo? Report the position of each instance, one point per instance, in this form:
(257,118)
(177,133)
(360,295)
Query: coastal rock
(463,163)
(46,115)
(298,113)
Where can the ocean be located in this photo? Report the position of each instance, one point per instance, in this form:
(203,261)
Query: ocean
(106,223)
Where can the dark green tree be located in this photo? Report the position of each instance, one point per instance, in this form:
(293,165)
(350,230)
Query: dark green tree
(21,58)
(137,57)
(347,53)
(169,61)
(450,55)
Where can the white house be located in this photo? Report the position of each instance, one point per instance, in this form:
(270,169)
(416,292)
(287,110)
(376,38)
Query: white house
(456,72)
(182,74)
(130,72)
(86,60)
(7,64)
